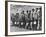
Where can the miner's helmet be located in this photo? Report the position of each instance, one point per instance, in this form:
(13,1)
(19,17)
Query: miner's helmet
(33,9)
(22,12)
(36,9)
(27,11)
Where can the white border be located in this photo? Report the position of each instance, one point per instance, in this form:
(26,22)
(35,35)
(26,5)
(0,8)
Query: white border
(27,32)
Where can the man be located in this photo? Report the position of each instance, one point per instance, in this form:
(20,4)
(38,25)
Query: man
(26,20)
(35,20)
(29,16)
(13,19)
(39,23)
(22,21)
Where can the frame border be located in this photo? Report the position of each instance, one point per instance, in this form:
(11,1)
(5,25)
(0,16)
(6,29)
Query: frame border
(6,18)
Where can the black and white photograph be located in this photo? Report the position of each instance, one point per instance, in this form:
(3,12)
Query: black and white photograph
(25,18)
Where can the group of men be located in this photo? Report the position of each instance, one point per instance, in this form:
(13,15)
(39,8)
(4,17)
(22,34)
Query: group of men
(29,19)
